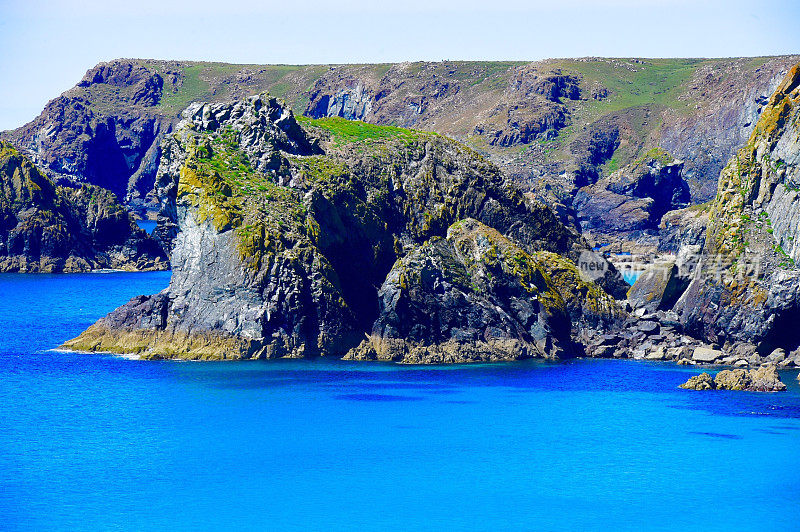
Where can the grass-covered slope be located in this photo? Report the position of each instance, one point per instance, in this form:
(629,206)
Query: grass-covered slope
(553,124)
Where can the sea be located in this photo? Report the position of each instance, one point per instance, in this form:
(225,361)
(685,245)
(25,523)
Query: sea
(102,442)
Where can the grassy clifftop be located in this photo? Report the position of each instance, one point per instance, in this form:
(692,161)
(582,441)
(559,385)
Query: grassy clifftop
(551,124)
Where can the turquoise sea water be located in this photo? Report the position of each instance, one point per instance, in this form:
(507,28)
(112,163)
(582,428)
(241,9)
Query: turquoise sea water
(631,276)
(100,442)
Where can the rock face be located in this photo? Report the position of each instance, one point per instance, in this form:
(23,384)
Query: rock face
(745,288)
(102,132)
(762,379)
(658,288)
(478,296)
(635,197)
(683,227)
(285,234)
(47,228)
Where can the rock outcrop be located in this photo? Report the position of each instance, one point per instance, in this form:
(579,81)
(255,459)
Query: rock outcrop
(104,131)
(762,379)
(658,288)
(48,228)
(634,198)
(477,296)
(746,285)
(285,235)
(683,227)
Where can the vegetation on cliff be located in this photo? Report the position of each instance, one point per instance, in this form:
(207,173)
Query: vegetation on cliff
(315,218)
(746,286)
(47,228)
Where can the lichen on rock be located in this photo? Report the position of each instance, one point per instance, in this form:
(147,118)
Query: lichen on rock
(762,379)
(477,296)
(747,284)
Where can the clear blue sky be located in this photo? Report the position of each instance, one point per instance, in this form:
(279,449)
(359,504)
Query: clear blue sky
(47,45)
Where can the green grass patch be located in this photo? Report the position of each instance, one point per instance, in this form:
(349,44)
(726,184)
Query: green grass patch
(354,131)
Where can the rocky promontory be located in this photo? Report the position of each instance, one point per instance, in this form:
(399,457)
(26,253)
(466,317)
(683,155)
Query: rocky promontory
(296,238)
(50,228)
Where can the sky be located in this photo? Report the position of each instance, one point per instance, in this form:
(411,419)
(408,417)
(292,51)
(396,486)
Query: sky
(47,45)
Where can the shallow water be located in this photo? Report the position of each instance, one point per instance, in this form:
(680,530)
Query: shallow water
(631,276)
(99,442)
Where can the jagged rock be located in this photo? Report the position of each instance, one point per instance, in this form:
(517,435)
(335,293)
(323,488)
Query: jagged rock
(659,287)
(478,296)
(635,197)
(736,379)
(706,355)
(47,228)
(683,227)
(762,379)
(704,381)
(766,379)
(81,137)
(284,234)
(777,356)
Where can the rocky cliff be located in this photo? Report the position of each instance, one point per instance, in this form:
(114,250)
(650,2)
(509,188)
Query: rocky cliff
(295,239)
(746,285)
(634,198)
(105,131)
(554,125)
(48,228)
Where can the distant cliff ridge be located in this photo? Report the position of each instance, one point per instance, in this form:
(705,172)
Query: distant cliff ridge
(554,126)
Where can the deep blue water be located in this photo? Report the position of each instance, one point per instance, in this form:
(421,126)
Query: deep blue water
(101,442)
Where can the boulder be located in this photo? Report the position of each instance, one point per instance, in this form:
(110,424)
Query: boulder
(658,288)
(733,379)
(766,379)
(704,381)
(706,355)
